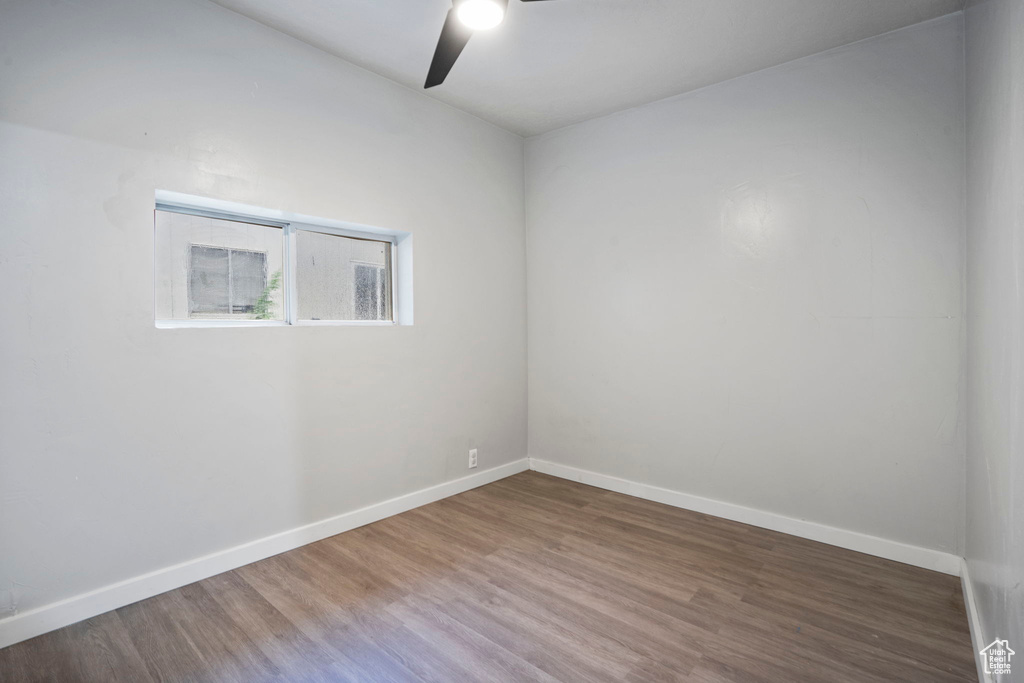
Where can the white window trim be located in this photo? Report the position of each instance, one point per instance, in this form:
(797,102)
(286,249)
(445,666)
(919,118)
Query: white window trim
(401,258)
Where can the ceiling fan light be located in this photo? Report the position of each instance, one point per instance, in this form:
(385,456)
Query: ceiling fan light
(481,15)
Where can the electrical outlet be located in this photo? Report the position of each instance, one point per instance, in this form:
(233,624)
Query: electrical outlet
(472,458)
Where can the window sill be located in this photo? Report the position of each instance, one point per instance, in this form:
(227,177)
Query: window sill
(336,323)
(183,324)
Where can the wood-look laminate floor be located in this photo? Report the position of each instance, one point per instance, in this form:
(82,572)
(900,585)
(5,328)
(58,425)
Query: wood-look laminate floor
(532,578)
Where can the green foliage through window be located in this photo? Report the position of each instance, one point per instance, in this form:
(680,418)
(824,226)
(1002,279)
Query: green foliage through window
(264,307)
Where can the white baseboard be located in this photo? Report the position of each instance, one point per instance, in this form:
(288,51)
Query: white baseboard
(978,638)
(935,560)
(56,615)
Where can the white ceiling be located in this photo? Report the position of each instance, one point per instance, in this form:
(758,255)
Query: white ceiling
(554,63)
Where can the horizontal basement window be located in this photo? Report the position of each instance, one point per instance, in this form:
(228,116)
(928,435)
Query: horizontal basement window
(220,264)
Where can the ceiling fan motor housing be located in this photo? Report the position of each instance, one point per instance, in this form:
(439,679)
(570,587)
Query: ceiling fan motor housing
(463,18)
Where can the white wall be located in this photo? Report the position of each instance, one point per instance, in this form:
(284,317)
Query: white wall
(124,448)
(995,325)
(752,292)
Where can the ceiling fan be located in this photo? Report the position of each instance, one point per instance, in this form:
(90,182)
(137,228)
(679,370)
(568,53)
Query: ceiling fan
(463,18)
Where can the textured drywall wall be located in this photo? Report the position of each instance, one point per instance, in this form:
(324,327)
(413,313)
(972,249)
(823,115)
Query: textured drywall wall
(995,323)
(753,292)
(124,448)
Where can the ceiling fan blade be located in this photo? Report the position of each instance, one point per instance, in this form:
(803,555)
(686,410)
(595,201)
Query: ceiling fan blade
(454,37)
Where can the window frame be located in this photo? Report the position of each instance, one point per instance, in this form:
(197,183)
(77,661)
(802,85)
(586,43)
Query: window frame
(208,208)
(291,265)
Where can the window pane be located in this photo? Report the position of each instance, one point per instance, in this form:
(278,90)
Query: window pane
(369,292)
(208,281)
(208,268)
(342,278)
(248,279)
